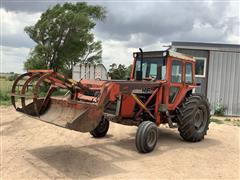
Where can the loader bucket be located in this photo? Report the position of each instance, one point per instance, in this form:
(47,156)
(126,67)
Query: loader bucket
(82,117)
(65,112)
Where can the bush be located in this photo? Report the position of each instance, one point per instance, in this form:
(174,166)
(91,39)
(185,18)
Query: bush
(219,109)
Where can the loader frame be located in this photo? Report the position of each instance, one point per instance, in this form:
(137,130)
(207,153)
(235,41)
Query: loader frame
(125,93)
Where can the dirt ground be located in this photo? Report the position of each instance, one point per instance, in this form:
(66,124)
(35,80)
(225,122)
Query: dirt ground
(35,150)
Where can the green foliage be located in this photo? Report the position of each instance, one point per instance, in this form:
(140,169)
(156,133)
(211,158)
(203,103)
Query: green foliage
(4,96)
(129,70)
(35,61)
(219,109)
(119,71)
(64,38)
(5,88)
(217,121)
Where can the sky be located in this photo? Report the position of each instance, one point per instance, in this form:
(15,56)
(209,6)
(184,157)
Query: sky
(151,25)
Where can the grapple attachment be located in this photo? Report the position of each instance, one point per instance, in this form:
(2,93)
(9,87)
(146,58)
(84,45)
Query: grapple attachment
(76,111)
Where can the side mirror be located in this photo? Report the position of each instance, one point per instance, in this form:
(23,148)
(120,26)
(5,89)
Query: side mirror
(139,75)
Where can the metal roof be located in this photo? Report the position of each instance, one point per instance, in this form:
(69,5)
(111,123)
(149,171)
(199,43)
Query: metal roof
(206,46)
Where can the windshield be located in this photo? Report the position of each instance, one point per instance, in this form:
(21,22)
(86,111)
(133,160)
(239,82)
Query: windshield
(154,68)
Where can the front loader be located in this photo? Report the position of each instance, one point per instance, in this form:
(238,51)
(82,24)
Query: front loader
(160,90)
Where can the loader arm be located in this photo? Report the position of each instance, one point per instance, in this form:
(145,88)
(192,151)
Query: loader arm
(80,111)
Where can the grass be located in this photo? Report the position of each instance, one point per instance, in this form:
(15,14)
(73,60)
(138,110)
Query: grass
(5,89)
(217,121)
(5,85)
(233,122)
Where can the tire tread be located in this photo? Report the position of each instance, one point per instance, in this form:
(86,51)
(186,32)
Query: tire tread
(185,116)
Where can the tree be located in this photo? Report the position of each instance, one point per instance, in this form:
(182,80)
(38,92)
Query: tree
(64,38)
(120,71)
(129,70)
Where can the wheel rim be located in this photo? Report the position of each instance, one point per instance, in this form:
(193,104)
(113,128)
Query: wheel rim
(102,126)
(151,138)
(200,118)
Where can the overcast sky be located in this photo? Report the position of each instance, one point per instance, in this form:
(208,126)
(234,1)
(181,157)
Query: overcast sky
(128,26)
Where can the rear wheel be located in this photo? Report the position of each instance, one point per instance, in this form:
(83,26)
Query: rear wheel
(193,118)
(101,130)
(146,137)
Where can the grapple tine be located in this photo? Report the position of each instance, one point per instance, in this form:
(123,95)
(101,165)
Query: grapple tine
(23,90)
(47,98)
(15,85)
(36,92)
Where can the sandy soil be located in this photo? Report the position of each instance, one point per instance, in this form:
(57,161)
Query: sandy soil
(35,150)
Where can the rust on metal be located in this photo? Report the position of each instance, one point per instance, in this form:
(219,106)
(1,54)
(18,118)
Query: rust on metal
(129,101)
(146,103)
(84,109)
(23,90)
(82,114)
(15,85)
(142,105)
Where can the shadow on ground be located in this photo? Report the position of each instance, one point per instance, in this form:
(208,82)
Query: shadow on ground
(99,160)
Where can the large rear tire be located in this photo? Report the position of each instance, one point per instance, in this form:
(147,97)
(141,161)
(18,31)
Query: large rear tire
(193,118)
(101,130)
(146,137)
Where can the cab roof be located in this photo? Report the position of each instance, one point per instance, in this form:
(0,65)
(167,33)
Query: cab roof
(163,54)
(181,56)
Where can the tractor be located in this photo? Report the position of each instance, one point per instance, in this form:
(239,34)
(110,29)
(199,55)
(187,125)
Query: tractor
(159,91)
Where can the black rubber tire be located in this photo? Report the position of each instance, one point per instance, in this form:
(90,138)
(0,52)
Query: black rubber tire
(146,137)
(101,130)
(193,118)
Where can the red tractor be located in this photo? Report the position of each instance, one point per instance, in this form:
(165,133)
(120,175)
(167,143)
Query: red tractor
(160,90)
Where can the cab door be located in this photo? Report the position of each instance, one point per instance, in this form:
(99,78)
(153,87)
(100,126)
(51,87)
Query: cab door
(175,78)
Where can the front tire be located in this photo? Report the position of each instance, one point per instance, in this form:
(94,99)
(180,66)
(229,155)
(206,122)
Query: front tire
(101,130)
(193,118)
(146,137)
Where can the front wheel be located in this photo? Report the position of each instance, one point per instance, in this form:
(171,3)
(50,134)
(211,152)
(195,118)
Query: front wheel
(146,137)
(101,130)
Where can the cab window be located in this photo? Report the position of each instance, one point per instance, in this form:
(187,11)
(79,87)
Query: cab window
(154,68)
(188,76)
(173,94)
(176,75)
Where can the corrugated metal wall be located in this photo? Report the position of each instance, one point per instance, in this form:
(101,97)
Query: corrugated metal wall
(224,81)
(89,71)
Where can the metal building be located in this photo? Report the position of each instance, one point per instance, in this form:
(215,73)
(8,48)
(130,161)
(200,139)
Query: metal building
(218,72)
(89,71)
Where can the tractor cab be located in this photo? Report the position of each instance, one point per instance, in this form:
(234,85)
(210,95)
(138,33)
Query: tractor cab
(163,65)
(175,71)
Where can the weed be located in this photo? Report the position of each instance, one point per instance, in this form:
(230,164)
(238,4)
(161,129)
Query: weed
(216,121)
(219,109)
